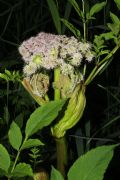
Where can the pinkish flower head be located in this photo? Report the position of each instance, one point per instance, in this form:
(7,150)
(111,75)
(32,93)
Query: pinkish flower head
(48,51)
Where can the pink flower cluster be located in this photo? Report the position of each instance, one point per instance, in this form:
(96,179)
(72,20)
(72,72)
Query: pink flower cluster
(49,51)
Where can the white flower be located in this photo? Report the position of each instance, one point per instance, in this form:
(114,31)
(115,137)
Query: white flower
(76,59)
(84,47)
(30,69)
(66,68)
(89,56)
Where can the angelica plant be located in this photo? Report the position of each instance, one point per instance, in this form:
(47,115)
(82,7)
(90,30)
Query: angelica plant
(60,63)
(65,57)
(56,74)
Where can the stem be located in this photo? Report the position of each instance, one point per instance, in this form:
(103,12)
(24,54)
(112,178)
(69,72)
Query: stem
(110,54)
(16,159)
(84,30)
(84,70)
(90,77)
(7,118)
(56,78)
(61,148)
(7,92)
(84,21)
(88,80)
(47,98)
(18,154)
(61,155)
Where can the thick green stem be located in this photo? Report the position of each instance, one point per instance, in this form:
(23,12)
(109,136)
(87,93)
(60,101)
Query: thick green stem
(61,149)
(56,78)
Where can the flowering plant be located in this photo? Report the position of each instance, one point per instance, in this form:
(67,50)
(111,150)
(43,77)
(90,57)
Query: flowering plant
(59,64)
(66,57)
(56,74)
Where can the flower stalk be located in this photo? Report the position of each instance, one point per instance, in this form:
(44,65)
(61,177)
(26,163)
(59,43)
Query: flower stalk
(61,151)
(56,78)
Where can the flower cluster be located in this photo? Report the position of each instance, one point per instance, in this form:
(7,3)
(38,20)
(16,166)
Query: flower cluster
(47,51)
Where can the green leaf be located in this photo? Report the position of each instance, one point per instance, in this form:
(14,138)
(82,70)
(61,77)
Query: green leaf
(8,73)
(19,120)
(114,18)
(2,173)
(4,76)
(22,170)
(43,116)
(31,143)
(4,159)
(76,7)
(117,3)
(15,136)
(107,36)
(72,28)
(114,28)
(68,9)
(93,164)
(98,41)
(86,6)
(55,175)
(104,52)
(55,15)
(96,8)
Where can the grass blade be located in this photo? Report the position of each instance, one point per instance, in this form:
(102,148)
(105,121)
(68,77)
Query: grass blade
(55,15)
